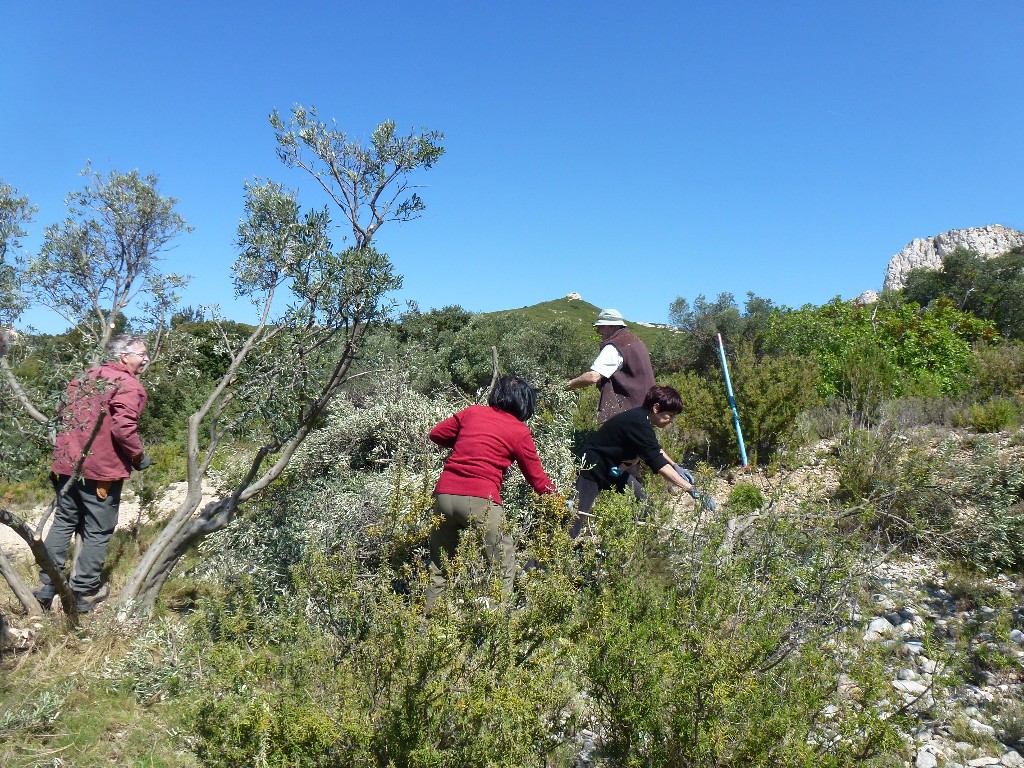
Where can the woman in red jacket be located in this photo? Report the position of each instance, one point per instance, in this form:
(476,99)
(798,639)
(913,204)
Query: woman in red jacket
(485,440)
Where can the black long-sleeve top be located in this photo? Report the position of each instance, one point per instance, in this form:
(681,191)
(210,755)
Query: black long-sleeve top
(624,437)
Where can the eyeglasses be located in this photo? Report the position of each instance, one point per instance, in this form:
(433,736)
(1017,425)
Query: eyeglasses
(137,354)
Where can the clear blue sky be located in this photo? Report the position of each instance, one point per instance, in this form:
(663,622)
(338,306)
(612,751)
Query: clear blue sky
(632,152)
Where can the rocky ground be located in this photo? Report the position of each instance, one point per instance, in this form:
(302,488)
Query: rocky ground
(958,660)
(956,639)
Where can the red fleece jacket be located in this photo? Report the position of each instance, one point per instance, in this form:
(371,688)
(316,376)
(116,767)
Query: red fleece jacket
(484,442)
(115,392)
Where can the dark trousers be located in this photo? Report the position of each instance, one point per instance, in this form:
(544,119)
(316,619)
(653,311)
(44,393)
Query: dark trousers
(80,510)
(587,489)
(458,513)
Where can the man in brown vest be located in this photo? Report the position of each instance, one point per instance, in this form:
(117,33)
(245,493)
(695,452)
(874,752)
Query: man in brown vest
(622,370)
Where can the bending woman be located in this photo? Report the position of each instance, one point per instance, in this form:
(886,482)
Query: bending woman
(624,440)
(485,440)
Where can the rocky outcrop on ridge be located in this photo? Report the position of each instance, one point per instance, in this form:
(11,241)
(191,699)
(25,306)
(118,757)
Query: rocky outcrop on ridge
(988,241)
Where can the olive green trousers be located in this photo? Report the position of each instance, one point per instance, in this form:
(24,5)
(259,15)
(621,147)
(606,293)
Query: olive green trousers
(458,513)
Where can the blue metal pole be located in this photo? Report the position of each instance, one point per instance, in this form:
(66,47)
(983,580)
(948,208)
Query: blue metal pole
(732,400)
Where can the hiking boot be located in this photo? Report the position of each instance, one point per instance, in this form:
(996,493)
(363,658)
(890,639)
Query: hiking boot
(87,603)
(45,595)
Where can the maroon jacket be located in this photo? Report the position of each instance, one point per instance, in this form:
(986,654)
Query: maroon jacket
(484,442)
(114,393)
(628,387)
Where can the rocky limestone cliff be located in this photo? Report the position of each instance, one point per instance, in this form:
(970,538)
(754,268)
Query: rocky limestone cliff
(989,241)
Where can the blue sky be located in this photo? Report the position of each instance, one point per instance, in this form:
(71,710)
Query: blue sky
(629,152)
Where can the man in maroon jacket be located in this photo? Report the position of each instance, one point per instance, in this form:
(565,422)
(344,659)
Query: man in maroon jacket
(97,447)
(622,370)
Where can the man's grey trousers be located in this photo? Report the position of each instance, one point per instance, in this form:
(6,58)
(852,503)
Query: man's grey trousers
(82,511)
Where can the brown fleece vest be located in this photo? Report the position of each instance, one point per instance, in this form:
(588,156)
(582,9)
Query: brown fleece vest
(628,386)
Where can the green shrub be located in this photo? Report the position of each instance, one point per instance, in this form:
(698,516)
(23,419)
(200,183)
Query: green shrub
(1011,725)
(868,460)
(346,670)
(971,589)
(928,349)
(868,378)
(371,454)
(997,414)
(990,529)
(1000,369)
(770,393)
(897,489)
(37,714)
(451,348)
(714,644)
(698,429)
(704,650)
(909,412)
(745,497)
(675,647)
(969,509)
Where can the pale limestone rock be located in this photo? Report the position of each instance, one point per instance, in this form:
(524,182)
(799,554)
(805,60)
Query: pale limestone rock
(990,241)
(926,758)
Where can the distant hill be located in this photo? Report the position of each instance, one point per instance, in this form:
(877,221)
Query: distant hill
(579,311)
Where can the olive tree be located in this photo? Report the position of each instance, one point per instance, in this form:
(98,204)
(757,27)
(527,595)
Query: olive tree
(284,373)
(103,257)
(15,214)
(315,302)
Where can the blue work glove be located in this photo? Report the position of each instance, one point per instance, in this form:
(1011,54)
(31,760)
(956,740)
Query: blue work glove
(704,499)
(683,472)
(698,496)
(142,462)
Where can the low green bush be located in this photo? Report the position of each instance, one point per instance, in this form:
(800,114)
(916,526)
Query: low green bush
(997,414)
(716,641)
(868,460)
(967,508)
(909,412)
(745,497)
(346,669)
(990,530)
(1000,369)
(708,644)
(1011,725)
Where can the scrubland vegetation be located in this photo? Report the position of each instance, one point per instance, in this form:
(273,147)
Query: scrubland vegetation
(294,635)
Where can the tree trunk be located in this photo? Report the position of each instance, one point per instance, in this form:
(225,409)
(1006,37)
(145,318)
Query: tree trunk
(139,579)
(174,541)
(42,558)
(5,637)
(19,587)
(214,517)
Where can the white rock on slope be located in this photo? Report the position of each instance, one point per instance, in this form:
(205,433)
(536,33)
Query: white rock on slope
(990,241)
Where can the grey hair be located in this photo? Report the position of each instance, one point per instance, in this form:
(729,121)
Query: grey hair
(118,345)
